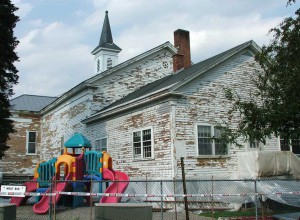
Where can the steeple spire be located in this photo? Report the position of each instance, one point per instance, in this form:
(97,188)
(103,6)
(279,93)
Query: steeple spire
(106,36)
(106,53)
(106,39)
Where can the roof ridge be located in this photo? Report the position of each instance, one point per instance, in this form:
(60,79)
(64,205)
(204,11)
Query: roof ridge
(33,95)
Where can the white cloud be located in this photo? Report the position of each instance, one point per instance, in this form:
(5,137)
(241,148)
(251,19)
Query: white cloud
(55,52)
(24,7)
(52,61)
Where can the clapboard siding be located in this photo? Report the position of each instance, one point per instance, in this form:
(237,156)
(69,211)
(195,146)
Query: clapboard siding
(66,118)
(119,132)
(205,102)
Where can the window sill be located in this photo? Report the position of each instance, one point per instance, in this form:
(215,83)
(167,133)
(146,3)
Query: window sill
(213,157)
(142,159)
(27,154)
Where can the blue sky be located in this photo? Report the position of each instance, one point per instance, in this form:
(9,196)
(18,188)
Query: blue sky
(57,36)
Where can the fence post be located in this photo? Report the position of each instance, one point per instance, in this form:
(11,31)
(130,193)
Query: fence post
(174,188)
(91,198)
(184,190)
(256,200)
(212,197)
(50,199)
(161,200)
(54,205)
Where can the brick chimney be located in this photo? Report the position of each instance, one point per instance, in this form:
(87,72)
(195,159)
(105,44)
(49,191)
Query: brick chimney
(183,57)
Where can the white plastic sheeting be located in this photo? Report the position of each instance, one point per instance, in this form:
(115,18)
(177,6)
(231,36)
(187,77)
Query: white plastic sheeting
(223,193)
(256,164)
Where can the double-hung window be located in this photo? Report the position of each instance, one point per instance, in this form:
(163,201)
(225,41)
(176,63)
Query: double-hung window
(142,144)
(101,144)
(31,142)
(208,142)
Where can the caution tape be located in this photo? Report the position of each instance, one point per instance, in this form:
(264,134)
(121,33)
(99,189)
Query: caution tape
(147,195)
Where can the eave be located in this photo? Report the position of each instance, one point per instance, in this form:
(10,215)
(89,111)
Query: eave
(75,90)
(133,104)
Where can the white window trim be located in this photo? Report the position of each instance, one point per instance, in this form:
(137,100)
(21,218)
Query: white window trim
(212,132)
(152,146)
(27,142)
(100,138)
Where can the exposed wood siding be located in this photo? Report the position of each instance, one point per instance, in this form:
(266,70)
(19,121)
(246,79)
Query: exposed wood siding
(205,102)
(15,160)
(119,133)
(66,118)
(119,84)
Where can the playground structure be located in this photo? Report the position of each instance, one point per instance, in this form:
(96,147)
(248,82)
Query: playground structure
(65,171)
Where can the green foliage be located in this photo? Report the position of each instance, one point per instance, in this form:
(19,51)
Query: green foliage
(274,108)
(8,72)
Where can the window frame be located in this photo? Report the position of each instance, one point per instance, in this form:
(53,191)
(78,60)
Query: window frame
(142,147)
(213,144)
(100,139)
(27,142)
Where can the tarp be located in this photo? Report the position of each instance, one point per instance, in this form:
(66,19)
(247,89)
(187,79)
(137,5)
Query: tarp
(256,164)
(78,140)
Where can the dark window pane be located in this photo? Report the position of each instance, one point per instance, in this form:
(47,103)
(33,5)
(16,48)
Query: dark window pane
(204,131)
(147,135)
(31,148)
(147,151)
(220,148)
(296,146)
(32,136)
(136,136)
(97,145)
(204,146)
(284,144)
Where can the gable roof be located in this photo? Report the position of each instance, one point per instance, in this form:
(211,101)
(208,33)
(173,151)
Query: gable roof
(88,83)
(32,103)
(170,83)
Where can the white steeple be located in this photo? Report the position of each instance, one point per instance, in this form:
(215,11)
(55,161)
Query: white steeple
(106,53)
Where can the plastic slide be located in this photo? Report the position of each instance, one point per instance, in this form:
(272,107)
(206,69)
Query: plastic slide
(30,187)
(43,205)
(115,187)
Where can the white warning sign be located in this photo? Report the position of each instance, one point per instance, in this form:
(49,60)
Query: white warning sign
(15,191)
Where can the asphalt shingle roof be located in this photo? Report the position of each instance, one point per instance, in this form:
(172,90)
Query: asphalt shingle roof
(30,102)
